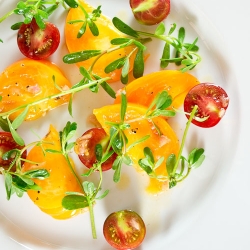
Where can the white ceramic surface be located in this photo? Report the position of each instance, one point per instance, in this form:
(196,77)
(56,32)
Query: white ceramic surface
(205,208)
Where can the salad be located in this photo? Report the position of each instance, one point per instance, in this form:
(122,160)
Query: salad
(133,129)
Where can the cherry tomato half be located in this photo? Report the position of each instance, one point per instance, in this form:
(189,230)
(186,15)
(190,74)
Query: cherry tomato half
(37,43)
(124,230)
(86,144)
(7,143)
(212,102)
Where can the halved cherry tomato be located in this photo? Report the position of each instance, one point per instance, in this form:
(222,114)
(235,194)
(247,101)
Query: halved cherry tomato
(37,43)
(124,230)
(212,102)
(61,179)
(85,147)
(26,81)
(162,139)
(7,143)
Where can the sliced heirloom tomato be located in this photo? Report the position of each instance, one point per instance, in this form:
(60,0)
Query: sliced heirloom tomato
(7,143)
(61,179)
(37,43)
(88,41)
(124,230)
(162,139)
(85,148)
(144,89)
(26,81)
(212,102)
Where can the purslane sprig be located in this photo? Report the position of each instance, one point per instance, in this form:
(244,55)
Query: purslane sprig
(17,181)
(173,162)
(185,52)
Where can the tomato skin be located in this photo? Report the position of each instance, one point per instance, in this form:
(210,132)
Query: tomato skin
(7,143)
(85,148)
(37,43)
(124,230)
(150,12)
(212,102)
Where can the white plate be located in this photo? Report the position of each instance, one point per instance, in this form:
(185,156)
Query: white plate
(167,215)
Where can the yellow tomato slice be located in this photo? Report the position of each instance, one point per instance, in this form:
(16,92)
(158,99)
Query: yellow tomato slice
(26,81)
(144,89)
(161,144)
(61,179)
(88,41)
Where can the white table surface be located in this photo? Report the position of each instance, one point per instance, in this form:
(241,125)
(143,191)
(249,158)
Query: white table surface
(227,223)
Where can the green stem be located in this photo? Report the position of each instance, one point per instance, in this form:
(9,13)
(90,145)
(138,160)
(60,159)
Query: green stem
(6,15)
(63,93)
(184,139)
(73,172)
(92,218)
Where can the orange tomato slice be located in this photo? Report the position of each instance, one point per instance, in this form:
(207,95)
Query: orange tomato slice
(61,179)
(144,89)
(88,41)
(162,144)
(26,81)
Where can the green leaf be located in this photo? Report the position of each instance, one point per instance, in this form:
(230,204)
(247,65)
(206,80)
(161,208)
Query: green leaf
(94,29)
(20,118)
(149,155)
(82,30)
(172,28)
(117,64)
(103,195)
(119,41)
(181,34)
(106,87)
(18,139)
(165,55)
(124,28)
(16,26)
(89,188)
(71,3)
(170,163)
(85,73)
(123,106)
(125,69)
(159,162)
(8,184)
(98,152)
(70,106)
(72,202)
(196,157)
(117,167)
(4,124)
(80,56)
(37,174)
(160,30)
(145,167)
(138,68)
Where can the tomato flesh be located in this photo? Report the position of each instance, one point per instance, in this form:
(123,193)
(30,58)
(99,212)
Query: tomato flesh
(37,43)
(212,102)
(7,143)
(85,148)
(124,229)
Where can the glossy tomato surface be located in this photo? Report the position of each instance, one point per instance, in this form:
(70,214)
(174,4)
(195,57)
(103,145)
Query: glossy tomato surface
(124,229)
(86,144)
(37,43)
(7,143)
(212,102)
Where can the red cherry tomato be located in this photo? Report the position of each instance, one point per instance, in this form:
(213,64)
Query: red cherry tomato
(86,144)
(124,230)
(37,43)
(150,12)
(7,143)
(212,102)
